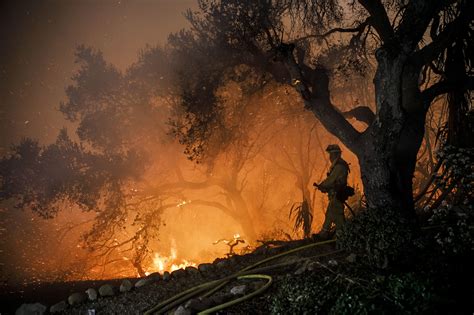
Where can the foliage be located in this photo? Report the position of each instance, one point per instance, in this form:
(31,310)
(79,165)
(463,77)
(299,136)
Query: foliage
(275,233)
(319,293)
(457,178)
(116,111)
(449,205)
(218,49)
(119,115)
(454,227)
(303,217)
(300,295)
(410,293)
(41,177)
(311,47)
(381,235)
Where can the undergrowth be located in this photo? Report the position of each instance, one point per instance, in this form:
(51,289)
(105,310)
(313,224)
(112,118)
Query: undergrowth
(429,272)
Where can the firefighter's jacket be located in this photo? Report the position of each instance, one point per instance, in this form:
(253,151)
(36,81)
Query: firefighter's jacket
(336,177)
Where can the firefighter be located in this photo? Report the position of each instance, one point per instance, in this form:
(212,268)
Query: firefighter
(334,185)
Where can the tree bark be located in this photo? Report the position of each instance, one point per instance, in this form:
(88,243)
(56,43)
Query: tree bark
(390,145)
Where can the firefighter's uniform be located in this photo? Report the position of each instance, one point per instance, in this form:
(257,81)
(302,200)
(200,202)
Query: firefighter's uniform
(336,178)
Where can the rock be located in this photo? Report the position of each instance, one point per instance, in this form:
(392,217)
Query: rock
(197,305)
(155,276)
(312,266)
(58,307)
(76,298)
(218,299)
(205,267)
(166,276)
(300,270)
(31,309)
(236,259)
(222,264)
(181,310)
(290,259)
(192,270)
(178,273)
(125,286)
(238,290)
(232,260)
(351,258)
(91,294)
(143,282)
(261,250)
(304,265)
(106,290)
(218,260)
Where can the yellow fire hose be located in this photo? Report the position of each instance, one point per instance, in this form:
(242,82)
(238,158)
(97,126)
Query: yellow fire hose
(243,298)
(215,285)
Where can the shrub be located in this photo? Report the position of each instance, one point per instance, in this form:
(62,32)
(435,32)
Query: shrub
(404,293)
(410,294)
(454,226)
(300,295)
(381,235)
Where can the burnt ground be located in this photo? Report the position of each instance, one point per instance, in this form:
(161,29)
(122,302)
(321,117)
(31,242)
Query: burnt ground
(138,300)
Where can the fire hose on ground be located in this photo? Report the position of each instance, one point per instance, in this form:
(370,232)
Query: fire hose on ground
(209,288)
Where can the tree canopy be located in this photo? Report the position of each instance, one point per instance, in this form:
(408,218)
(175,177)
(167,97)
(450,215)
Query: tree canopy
(308,45)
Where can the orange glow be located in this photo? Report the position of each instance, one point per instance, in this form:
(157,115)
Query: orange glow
(184,233)
(257,205)
(169,263)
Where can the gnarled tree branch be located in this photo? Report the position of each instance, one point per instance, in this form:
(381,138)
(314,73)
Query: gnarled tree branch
(446,86)
(379,19)
(445,37)
(318,99)
(361,113)
(358,29)
(415,21)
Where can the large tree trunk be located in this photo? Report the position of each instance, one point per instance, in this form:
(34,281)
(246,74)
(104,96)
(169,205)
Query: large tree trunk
(460,131)
(387,176)
(389,147)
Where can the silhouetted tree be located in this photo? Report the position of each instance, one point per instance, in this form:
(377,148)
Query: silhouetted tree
(288,41)
(117,116)
(122,164)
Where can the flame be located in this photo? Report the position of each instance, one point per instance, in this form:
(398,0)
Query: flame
(160,262)
(168,263)
(183,265)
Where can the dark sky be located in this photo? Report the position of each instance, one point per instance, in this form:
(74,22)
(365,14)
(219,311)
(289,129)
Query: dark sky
(37,43)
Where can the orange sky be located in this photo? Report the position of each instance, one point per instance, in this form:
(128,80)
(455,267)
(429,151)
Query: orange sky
(37,42)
